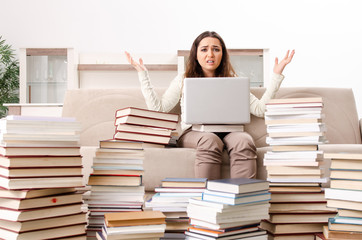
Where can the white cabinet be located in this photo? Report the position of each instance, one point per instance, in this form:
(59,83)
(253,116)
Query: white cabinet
(46,74)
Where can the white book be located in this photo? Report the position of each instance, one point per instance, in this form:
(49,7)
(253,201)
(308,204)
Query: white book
(343,194)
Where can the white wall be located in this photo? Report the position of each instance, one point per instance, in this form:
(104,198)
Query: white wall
(326,34)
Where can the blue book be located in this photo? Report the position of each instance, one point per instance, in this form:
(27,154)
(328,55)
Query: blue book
(237,185)
(247,199)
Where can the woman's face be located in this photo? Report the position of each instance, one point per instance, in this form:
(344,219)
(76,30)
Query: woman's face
(209,55)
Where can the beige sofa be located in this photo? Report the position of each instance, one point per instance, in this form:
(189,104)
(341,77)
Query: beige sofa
(95,109)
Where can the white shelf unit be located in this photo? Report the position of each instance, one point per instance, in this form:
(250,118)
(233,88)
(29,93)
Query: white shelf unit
(46,73)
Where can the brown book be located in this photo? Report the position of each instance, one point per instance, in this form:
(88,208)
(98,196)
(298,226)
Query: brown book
(295,170)
(351,156)
(295,236)
(139,137)
(284,148)
(39,213)
(55,200)
(134,218)
(346,184)
(347,227)
(349,213)
(341,234)
(295,134)
(145,130)
(58,232)
(33,193)
(301,217)
(119,153)
(298,197)
(302,207)
(146,122)
(146,113)
(40,182)
(40,172)
(119,144)
(52,222)
(118,172)
(184,182)
(293,121)
(345,174)
(41,161)
(39,151)
(295,100)
(291,189)
(115,180)
(289,228)
(334,203)
(346,164)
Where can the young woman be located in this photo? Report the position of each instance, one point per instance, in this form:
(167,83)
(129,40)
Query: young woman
(209,58)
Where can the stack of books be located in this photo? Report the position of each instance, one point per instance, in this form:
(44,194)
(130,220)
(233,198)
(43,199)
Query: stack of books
(115,184)
(116,180)
(172,198)
(345,194)
(295,168)
(40,169)
(229,209)
(141,125)
(133,225)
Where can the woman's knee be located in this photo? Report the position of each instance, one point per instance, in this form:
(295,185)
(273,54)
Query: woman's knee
(210,142)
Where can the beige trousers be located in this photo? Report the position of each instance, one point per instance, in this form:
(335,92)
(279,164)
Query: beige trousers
(209,147)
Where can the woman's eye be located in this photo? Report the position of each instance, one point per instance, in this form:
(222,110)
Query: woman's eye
(216,50)
(203,50)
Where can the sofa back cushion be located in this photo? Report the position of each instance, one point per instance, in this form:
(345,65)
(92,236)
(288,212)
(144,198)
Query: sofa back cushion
(95,109)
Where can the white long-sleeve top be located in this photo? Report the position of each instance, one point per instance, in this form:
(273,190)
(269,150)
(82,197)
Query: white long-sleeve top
(173,95)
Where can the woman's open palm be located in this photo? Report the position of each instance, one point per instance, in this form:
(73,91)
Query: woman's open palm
(279,66)
(138,66)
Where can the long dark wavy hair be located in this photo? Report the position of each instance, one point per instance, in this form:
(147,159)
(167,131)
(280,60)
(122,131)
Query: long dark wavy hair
(193,68)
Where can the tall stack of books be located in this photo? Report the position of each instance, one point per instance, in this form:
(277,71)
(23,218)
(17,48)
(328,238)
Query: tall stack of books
(133,225)
(229,209)
(115,185)
(295,170)
(345,194)
(116,180)
(40,169)
(172,198)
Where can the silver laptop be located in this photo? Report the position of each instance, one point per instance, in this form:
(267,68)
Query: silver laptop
(220,100)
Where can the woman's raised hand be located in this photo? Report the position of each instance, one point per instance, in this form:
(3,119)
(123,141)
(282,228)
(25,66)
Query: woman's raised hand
(138,66)
(279,66)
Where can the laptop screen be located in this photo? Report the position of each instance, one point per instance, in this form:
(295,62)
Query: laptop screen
(221,100)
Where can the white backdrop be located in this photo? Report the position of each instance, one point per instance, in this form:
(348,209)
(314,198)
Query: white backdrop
(326,34)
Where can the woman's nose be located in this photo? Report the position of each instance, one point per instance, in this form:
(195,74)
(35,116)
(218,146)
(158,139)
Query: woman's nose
(210,53)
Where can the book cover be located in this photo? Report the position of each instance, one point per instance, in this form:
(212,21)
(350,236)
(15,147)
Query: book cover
(40,161)
(119,144)
(39,213)
(237,185)
(33,193)
(146,113)
(139,137)
(145,121)
(134,218)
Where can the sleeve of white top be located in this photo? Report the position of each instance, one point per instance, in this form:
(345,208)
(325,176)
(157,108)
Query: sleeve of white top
(257,106)
(168,100)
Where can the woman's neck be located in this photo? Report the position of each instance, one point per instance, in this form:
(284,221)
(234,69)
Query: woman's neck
(209,73)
